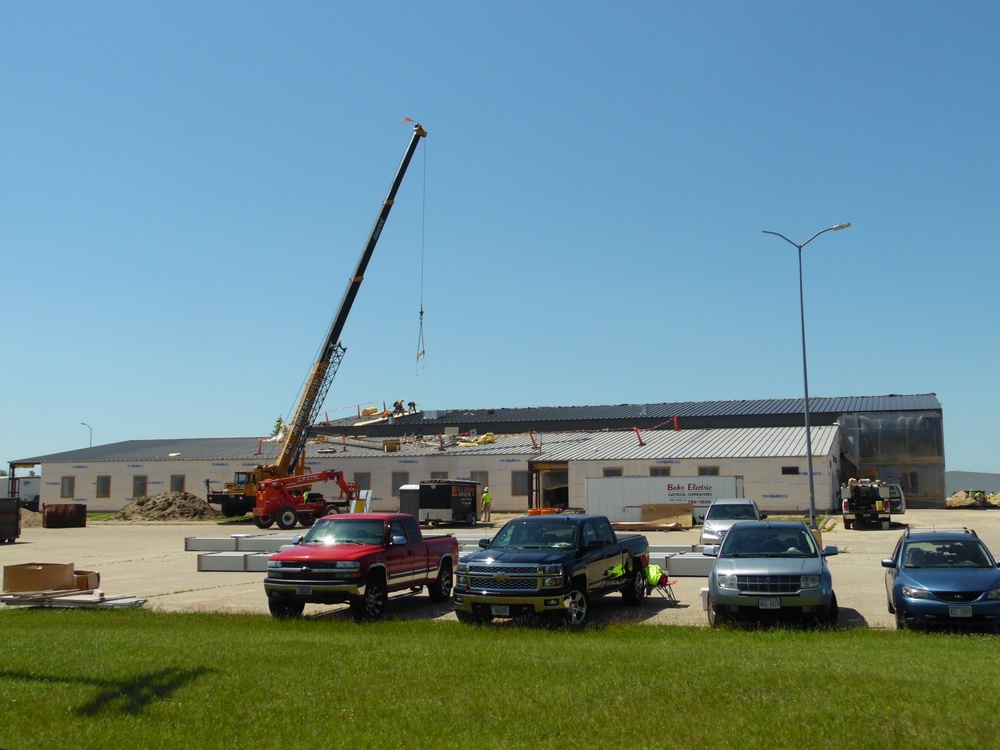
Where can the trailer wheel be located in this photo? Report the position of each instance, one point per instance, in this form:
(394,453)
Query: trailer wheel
(263,522)
(634,591)
(330,510)
(372,605)
(287,518)
(283,609)
(440,590)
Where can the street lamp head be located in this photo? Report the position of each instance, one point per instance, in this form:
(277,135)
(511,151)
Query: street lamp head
(845,225)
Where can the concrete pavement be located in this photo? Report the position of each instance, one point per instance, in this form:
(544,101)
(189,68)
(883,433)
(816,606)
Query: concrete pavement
(149,560)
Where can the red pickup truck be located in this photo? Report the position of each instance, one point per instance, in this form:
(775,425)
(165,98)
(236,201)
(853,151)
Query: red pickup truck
(359,558)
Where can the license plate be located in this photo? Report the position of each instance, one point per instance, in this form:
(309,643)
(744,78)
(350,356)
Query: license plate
(304,590)
(769,603)
(962,611)
(500,610)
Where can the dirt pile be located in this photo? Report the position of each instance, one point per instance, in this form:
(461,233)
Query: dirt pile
(167,506)
(973,499)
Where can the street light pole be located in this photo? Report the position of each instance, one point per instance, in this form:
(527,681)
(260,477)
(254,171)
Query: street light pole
(805,369)
(91,433)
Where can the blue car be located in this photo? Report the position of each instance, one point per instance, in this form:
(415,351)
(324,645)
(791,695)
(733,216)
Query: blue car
(943,578)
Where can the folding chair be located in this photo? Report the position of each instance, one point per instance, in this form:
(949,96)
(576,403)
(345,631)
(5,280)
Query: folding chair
(663,586)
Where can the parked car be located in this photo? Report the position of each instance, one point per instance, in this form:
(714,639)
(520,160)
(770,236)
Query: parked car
(723,513)
(770,570)
(943,578)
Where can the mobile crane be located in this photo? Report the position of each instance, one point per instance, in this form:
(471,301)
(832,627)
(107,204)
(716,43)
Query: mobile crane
(241,495)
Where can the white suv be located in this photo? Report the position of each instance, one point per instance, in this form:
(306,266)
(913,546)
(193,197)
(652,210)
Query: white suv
(723,513)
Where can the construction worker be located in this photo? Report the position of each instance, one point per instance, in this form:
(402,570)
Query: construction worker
(487,502)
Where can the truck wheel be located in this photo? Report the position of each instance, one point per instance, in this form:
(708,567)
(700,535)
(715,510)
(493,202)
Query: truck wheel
(330,510)
(282,609)
(847,525)
(307,519)
(576,614)
(372,605)
(263,522)
(287,518)
(634,591)
(230,511)
(440,590)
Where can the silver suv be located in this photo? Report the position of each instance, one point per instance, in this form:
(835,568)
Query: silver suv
(723,513)
(767,570)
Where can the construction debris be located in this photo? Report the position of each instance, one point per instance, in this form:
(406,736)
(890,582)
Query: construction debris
(167,506)
(70,598)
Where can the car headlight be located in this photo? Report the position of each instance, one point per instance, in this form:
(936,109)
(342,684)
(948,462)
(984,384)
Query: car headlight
(810,582)
(274,565)
(552,576)
(994,594)
(915,593)
(349,565)
(726,580)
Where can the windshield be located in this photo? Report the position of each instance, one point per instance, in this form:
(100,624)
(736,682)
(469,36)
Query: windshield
(768,542)
(531,534)
(949,554)
(729,512)
(345,531)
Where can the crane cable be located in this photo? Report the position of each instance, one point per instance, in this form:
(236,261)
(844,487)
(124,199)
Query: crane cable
(423,233)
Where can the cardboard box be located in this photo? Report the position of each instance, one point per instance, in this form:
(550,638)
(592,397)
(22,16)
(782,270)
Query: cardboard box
(38,577)
(86,580)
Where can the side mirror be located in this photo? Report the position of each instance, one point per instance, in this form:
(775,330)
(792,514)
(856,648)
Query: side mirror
(484,543)
(763,516)
(830,550)
(297,539)
(398,541)
(888,562)
(711,550)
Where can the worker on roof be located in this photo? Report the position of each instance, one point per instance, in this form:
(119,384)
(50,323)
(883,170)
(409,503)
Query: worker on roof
(487,502)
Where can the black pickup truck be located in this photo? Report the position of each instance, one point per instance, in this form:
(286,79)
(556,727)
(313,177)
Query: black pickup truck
(550,565)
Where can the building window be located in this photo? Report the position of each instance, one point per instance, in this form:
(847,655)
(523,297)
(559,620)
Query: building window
(139,485)
(708,471)
(912,480)
(439,475)
(791,471)
(104,486)
(364,479)
(67,487)
(399,478)
(519,483)
(177,483)
(483,477)
(612,472)
(659,471)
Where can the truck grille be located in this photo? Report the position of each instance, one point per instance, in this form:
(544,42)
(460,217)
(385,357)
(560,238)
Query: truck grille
(504,577)
(768,584)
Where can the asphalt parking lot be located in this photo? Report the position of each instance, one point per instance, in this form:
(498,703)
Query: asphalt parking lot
(149,560)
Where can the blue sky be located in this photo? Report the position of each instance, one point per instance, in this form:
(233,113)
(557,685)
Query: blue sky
(185,189)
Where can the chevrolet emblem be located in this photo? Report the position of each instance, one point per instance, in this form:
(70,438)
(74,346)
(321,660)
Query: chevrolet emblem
(500,577)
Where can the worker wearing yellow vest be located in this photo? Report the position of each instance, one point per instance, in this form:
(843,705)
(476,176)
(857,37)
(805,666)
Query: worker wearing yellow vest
(487,502)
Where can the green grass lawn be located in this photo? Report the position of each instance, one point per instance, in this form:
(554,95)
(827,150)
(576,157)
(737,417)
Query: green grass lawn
(145,679)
